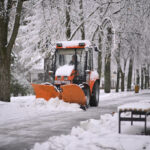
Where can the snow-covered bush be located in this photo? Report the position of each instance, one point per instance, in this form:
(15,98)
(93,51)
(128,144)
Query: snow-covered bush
(18,88)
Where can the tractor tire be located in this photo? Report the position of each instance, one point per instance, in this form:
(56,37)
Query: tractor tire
(95,95)
(86,91)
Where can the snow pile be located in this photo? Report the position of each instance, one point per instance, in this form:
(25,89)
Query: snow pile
(96,134)
(66,44)
(21,108)
(139,106)
(55,104)
(94,75)
(65,70)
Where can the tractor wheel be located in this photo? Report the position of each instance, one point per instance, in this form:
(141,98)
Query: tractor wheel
(95,95)
(86,91)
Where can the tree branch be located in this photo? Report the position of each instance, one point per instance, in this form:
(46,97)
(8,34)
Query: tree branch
(16,26)
(73,34)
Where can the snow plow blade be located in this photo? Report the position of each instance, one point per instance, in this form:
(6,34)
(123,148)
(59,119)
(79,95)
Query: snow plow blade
(45,91)
(73,94)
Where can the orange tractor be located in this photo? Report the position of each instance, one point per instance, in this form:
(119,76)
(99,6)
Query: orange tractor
(74,78)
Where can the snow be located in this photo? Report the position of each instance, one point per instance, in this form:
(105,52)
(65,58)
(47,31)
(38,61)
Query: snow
(103,133)
(94,75)
(139,106)
(113,94)
(65,70)
(98,134)
(39,65)
(74,43)
(29,106)
(35,117)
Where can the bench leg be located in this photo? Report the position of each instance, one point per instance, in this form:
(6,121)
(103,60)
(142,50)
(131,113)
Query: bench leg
(145,124)
(131,118)
(119,121)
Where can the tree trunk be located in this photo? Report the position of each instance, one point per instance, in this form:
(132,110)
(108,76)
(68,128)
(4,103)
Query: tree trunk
(137,77)
(100,58)
(142,78)
(118,78)
(148,76)
(108,61)
(107,74)
(122,81)
(47,68)
(130,75)
(6,46)
(4,78)
(118,68)
(81,19)
(68,19)
(4,62)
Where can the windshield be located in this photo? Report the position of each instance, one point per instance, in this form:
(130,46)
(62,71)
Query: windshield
(68,57)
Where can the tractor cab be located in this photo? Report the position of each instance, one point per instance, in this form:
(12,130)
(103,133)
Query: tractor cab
(72,62)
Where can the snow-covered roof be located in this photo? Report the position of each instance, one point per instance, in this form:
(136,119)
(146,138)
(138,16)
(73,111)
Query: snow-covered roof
(139,106)
(75,43)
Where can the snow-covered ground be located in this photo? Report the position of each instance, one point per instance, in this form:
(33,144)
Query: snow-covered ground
(99,134)
(22,108)
(103,133)
(28,106)
(26,121)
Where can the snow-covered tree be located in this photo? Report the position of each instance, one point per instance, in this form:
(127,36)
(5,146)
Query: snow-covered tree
(7,40)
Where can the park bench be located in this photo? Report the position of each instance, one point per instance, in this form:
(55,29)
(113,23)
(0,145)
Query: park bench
(138,112)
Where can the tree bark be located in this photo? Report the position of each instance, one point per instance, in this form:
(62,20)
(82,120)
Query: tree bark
(130,75)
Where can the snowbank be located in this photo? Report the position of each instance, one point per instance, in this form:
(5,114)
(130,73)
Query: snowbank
(21,108)
(109,96)
(65,70)
(55,104)
(97,134)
